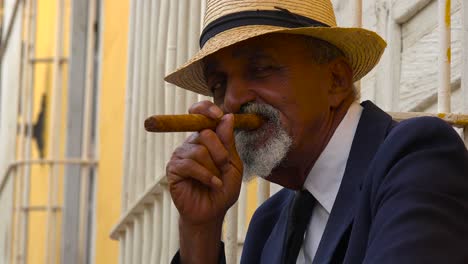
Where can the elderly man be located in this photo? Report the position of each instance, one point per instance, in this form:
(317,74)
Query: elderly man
(359,187)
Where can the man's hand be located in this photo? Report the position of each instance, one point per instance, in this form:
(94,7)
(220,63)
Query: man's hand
(205,176)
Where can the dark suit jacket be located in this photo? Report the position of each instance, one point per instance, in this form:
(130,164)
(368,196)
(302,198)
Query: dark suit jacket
(403,199)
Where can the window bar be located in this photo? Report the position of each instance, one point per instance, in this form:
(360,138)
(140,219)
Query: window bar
(171,54)
(444,92)
(47,60)
(137,230)
(29,106)
(132,185)
(148,233)
(48,162)
(141,173)
(5,40)
(129,244)
(464,72)
(19,175)
(20,226)
(390,76)
(151,151)
(242,211)
(263,191)
(173,239)
(202,11)
(182,56)
(122,248)
(129,105)
(179,106)
(357,22)
(86,140)
(174,230)
(357,18)
(193,33)
(157,229)
(16,249)
(139,139)
(27,85)
(231,234)
(136,173)
(158,84)
(54,137)
(166,205)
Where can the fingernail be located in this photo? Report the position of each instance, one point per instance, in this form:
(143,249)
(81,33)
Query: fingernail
(227,117)
(217,182)
(216,111)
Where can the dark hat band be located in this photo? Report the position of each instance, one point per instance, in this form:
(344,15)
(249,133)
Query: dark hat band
(280,17)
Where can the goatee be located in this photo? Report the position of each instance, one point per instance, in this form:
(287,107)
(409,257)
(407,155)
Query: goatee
(263,149)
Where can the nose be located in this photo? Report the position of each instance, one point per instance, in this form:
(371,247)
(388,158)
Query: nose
(238,93)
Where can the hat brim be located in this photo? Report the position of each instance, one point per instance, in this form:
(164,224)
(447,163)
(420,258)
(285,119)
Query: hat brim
(362,49)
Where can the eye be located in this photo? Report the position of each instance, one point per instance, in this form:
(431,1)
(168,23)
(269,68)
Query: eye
(217,87)
(262,71)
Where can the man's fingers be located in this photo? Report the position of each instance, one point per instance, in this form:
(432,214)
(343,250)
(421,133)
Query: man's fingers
(183,169)
(206,108)
(216,148)
(225,132)
(195,150)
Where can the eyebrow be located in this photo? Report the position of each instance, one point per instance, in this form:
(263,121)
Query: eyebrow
(211,65)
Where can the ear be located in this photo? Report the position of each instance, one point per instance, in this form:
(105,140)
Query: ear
(342,82)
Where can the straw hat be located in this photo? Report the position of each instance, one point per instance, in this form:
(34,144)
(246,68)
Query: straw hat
(228,22)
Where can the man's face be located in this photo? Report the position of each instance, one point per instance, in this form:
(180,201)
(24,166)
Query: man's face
(276,70)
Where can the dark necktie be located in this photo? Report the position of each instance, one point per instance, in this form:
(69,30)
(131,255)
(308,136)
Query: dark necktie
(299,217)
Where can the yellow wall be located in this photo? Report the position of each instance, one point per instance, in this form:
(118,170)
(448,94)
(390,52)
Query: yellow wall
(252,188)
(111,123)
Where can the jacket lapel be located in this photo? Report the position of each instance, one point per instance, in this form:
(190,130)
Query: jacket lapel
(373,126)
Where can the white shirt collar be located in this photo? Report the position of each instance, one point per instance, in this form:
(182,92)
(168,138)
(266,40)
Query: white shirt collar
(325,177)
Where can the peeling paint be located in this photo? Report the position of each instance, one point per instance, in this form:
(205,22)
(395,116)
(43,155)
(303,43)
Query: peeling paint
(462,122)
(449,55)
(447,13)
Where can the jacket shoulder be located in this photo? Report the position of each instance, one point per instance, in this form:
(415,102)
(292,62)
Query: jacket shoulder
(262,225)
(416,195)
(424,149)
(272,207)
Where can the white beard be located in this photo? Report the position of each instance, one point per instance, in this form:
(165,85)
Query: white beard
(260,161)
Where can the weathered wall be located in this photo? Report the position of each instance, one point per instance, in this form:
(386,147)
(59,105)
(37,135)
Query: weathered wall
(419,52)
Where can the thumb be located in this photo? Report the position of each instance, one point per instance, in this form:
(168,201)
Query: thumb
(225,132)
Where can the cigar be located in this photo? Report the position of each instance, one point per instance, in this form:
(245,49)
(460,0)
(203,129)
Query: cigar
(196,122)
